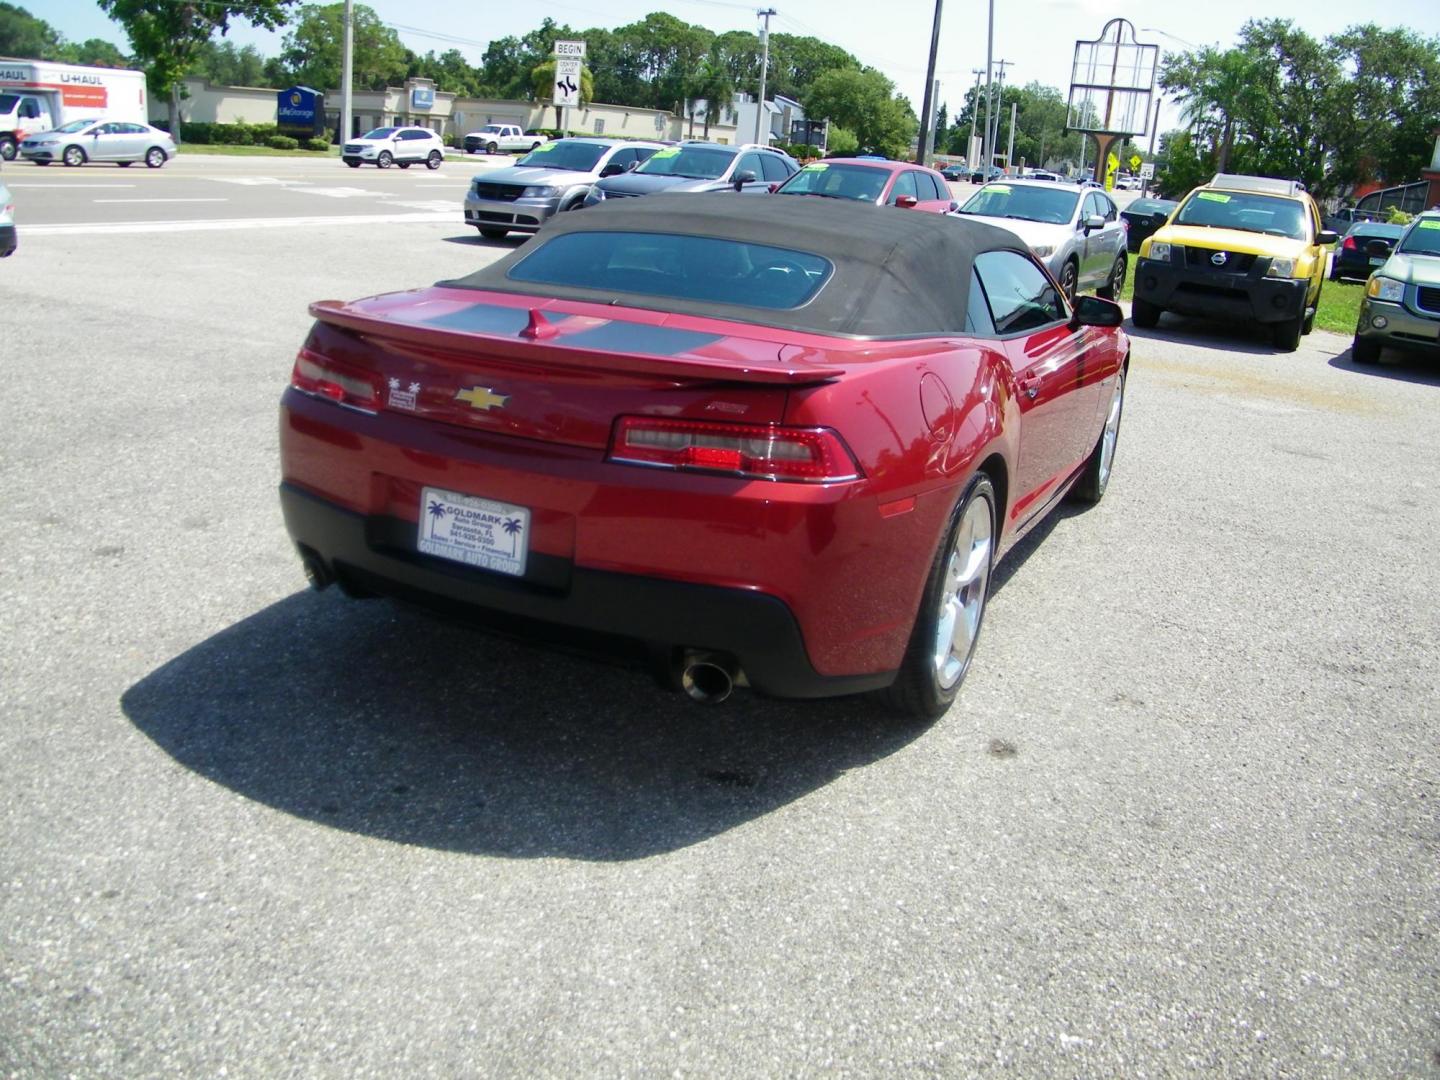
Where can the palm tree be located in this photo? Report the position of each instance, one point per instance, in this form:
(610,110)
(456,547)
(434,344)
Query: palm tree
(512,530)
(714,83)
(1219,92)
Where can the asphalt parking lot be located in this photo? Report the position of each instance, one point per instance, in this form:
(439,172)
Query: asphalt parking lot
(1183,819)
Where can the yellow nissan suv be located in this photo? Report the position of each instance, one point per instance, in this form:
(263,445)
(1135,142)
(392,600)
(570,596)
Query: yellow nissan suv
(1240,247)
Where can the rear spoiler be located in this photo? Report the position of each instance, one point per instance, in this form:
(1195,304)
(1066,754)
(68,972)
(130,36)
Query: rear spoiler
(767,363)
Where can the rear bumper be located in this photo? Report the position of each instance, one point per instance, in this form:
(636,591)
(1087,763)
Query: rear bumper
(378,553)
(1250,297)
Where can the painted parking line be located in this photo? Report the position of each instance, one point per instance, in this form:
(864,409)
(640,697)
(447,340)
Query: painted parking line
(22,184)
(221,224)
(155,200)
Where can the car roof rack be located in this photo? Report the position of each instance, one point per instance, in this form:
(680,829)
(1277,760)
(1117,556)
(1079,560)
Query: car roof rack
(1261,185)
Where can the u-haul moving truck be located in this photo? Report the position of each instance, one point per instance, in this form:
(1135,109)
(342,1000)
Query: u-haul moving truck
(37,95)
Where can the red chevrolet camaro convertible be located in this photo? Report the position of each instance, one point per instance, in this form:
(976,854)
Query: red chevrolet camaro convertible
(771,442)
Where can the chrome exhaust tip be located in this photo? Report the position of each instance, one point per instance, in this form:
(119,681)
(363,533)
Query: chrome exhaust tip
(707,677)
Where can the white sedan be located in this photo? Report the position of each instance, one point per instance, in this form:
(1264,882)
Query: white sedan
(82,141)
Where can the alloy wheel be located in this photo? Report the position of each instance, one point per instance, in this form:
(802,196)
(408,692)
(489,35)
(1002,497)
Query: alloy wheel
(962,597)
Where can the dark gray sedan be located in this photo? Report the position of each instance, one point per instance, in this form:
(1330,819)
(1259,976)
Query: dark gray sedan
(554,177)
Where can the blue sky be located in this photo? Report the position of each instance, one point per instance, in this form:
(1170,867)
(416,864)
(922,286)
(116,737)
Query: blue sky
(1038,36)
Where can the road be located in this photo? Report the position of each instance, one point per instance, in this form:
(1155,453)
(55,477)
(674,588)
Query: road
(1182,819)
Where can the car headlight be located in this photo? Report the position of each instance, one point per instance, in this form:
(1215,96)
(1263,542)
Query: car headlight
(1159,251)
(1281,268)
(540,192)
(1044,251)
(1384,288)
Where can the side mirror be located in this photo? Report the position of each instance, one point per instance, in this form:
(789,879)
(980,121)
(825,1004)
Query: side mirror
(954,206)
(742,178)
(907,202)
(1327,236)
(613,169)
(1093,311)
(773,188)
(1094,221)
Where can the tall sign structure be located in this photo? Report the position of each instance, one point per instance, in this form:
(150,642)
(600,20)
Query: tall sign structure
(1111,84)
(569,58)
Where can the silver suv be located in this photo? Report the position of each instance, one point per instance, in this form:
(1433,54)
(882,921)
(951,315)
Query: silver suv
(555,176)
(403,146)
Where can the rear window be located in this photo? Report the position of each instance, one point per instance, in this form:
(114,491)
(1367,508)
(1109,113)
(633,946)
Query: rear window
(685,267)
(380,133)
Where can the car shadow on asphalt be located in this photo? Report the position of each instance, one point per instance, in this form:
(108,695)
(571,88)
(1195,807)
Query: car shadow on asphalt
(511,241)
(1399,364)
(1235,337)
(378,719)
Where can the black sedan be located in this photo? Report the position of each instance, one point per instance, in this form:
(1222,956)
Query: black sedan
(1145,216)
(1366,246)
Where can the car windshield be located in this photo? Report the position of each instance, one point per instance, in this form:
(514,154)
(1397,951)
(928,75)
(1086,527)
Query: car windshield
(1243,211)
(381,133)
(574,156)
(1054,206)
(74,126)
(1423,239)
(861,182)
(687,267)
(8,102)
(692,162)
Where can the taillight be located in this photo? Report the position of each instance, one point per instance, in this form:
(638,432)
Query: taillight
(342,383)
(1349,244)
(757,451)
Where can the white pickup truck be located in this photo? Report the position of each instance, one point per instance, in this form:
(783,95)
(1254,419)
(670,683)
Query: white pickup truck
(493,138)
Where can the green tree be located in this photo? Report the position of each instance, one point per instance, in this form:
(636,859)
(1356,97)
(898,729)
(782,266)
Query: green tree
(1383,116)
(166,35)
(313,53)
(864,101)
(96,52)
(714,85)
(225,65)
(26,36)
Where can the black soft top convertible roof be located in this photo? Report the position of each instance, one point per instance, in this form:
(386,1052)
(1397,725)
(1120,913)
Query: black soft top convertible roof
(898,273)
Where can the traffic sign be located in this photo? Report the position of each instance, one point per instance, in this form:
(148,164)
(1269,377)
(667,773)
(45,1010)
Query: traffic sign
(1135,162)
(567,82)
(571,49)
(1147,171)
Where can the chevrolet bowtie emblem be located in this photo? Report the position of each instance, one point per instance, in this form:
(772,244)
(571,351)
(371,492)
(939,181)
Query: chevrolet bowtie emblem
(482,398)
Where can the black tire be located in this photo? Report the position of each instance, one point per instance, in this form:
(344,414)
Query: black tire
(1365,350)
(434,160)
(1090,488)
(491,148)
(403,164)
(1308,323)
(73,156)
(353,164)
(1113,287)
(9,148)
(490,232)
(1286,335)
(1144,314)
(1069,280)
(385,160)
(154,158)
(534,145)
(920,691)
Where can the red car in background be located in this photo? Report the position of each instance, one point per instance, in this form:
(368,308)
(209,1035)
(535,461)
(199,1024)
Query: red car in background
(884,183)
(779,442)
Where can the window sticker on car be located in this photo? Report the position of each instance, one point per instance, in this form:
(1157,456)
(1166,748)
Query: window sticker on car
(814,166)
(1429,225)
(1003,189)
(671,152)
(1212,196)
(543,148)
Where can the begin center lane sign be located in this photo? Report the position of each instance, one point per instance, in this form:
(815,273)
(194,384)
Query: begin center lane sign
(567,82)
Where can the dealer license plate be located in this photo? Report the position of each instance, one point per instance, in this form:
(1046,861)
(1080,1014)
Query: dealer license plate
(479,532)
(1377,262)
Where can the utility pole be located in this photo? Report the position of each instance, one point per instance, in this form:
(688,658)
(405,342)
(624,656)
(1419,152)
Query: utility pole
(764,70)
(993,114)
(927,110)
(1010,151)
(1154,130)
(989,78)
(347,102)
(974,113)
